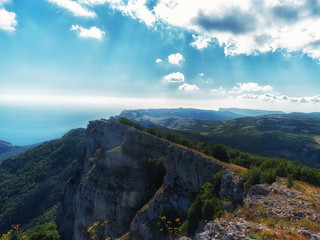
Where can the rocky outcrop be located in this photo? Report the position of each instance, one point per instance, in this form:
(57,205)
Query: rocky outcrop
(110,184)
(270,212)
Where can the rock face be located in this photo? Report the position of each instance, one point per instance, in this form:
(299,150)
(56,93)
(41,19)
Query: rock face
(110,184)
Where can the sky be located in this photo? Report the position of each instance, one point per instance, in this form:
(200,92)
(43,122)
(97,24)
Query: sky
(65,62)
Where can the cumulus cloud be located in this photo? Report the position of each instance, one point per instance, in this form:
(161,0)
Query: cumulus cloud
(174,78)
(8,20)
(92,32)
(250,87)
(201,74)
(175,58)
(241,27)
(188,87)
(200,42)
(158,60)
(74,7)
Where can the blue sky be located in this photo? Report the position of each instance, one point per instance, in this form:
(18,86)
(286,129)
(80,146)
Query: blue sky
(64,62)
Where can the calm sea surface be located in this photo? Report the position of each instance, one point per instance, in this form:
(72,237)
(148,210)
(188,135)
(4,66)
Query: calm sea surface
(26,126)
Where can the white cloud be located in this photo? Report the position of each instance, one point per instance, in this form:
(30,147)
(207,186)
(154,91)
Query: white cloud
(135,8)
(92,32)
(8,20)
(250,87)
(200,42)
(241,27)
(174,78)
(201,74)
(158,60)
(176,59)
(188,87)
(74,7)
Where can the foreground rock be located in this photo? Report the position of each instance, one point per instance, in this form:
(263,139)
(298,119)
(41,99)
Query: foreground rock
(271,212)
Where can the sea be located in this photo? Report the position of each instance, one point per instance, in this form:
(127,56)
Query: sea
(23,126)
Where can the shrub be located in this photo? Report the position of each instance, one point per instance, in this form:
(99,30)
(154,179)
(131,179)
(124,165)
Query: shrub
(269,176)
(289,181)
(253,177)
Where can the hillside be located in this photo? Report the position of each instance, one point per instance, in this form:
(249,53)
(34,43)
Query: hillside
(30,184)
(7,150)
(291,136)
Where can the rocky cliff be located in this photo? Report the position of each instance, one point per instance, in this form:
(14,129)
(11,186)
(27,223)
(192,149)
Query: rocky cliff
(112,184)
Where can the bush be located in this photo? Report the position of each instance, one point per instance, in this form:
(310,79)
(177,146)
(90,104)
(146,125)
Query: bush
(289,181)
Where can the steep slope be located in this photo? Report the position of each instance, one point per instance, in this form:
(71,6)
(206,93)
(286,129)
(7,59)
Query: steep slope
(30,184)
(112,185)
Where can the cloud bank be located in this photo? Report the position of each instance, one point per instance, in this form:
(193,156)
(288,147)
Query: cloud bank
(241,27)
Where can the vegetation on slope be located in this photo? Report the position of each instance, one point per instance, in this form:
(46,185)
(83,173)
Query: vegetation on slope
(30,184)
(291,136)
(266,166)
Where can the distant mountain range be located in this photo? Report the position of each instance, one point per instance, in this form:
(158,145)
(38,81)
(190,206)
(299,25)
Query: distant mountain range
(178,118)
(8,150)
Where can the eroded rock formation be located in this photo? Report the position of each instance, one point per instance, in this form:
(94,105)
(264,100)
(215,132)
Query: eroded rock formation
(110,184)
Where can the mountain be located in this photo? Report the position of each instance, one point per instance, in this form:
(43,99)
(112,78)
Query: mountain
(175,117)
(178,118)
(249,112)
(137,183)
(133,185)
(7,150)
(30,184)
